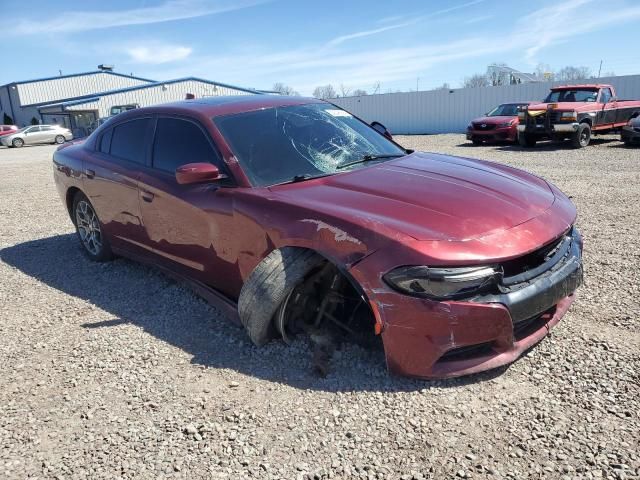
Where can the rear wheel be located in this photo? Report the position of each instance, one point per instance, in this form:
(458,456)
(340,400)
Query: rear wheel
(17,142)
(59,139)
(526,140)
(476,141)
(582,136)
(89,229)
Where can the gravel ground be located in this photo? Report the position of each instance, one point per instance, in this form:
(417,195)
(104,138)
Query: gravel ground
(114,371)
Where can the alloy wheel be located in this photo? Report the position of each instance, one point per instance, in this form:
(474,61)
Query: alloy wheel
(88,227)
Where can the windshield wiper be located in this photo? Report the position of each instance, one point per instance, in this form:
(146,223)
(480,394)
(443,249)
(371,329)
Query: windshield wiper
(369,158)
(302,178)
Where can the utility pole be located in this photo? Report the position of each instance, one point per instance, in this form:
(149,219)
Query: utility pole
(600,69)
(417,83)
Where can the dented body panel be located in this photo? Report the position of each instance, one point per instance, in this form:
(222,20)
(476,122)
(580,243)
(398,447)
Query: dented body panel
(421,209)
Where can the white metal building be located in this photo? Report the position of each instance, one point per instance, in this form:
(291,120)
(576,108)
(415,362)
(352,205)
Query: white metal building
(77,101)
(449,111)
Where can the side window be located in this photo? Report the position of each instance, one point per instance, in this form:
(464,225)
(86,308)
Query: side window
(178,142)
(105,141)
(46,128)
(128,140)
(32,130)
(605,96)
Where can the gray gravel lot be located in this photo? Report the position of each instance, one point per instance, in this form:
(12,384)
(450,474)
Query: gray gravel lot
(114,371)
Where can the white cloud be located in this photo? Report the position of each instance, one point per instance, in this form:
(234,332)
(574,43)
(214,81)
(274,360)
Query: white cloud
(365,33)
(158,54)
(307,67)
(556,24)
(169,10)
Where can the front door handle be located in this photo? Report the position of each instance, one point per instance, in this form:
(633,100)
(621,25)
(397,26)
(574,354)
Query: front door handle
(89,173)
(147,196)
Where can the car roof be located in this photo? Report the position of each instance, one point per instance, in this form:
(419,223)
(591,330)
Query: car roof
(225,105)
(584,85)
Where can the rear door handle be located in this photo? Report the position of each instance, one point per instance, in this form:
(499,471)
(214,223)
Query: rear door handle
(89,173)
(147,196)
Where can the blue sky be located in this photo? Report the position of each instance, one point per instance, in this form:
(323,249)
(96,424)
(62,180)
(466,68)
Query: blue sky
(356,43)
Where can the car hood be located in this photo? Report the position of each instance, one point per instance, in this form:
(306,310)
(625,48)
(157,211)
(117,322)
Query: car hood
(578,106)
(427,196)
(494,120)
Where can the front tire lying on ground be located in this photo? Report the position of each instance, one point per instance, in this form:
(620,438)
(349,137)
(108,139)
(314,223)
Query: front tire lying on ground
(89,229)
(269,285)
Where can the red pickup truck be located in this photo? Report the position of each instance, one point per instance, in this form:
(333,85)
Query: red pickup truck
(575,112)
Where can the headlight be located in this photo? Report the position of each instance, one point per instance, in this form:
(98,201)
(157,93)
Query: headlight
(569,116)
(441,283)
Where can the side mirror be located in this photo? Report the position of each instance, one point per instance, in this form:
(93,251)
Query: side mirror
(381,129)
(198,173)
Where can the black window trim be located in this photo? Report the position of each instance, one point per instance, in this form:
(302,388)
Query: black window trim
(148,133)
(230,182)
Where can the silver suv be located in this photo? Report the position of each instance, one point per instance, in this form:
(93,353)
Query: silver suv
(37,134)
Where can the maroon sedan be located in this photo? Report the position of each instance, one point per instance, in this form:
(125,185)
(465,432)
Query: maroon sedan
(8,129)
(301,219)
(500,124)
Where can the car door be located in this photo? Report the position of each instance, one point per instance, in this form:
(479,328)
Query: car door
(609,108)
(111,180)
(31,135)
(47,134)
(188,226)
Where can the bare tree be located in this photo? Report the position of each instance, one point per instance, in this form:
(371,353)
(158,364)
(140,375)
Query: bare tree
(344,90)
(609,74)
(283,89)
(358,92)
(376,88)
(474,81)
(444,86)
(324,92)
(570,73)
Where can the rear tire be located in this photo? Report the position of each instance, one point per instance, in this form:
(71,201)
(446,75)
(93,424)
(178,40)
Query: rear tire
(59,139)
(526,140)
(17,142)
(89,229)
(269,285)
(582,136)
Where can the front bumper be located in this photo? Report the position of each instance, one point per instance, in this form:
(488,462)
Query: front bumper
(430,339)
(496,135)
(555,127)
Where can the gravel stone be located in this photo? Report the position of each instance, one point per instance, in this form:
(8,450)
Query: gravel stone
(113,371)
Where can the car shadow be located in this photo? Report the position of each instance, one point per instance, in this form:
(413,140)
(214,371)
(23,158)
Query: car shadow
(544,146)
(134,294)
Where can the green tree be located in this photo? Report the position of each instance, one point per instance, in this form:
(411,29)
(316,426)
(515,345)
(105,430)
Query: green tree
(34,121)
(7,120)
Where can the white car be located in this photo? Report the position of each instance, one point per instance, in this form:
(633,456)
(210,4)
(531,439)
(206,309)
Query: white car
(37,134)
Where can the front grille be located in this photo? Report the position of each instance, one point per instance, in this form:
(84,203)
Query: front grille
(531,260)
(484,126)
(470,351)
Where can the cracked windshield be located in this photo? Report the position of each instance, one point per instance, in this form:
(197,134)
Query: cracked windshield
(299,142)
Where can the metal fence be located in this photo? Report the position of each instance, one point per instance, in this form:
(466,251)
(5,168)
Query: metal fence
(449,111)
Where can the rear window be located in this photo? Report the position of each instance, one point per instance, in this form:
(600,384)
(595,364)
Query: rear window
(129,140)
